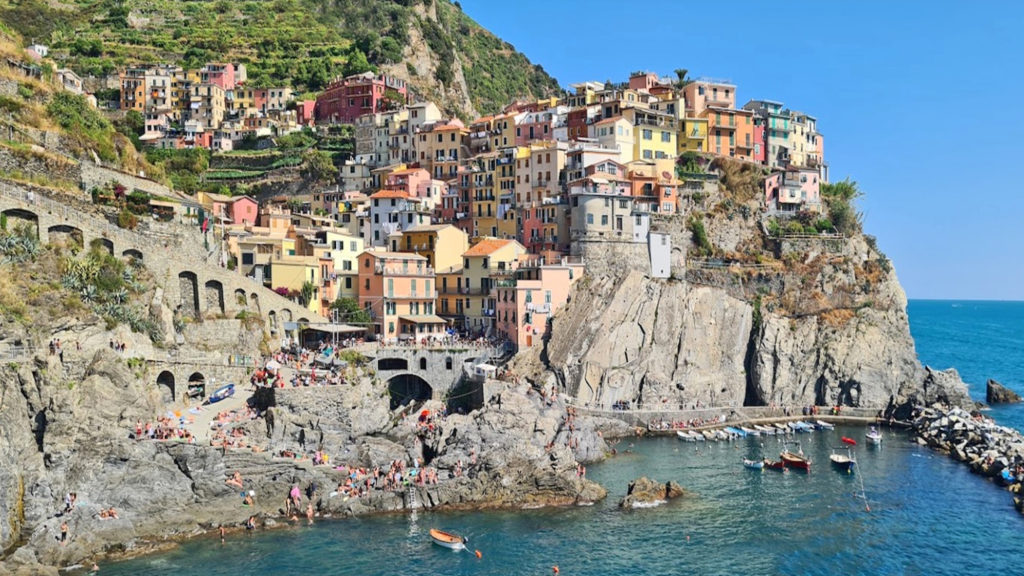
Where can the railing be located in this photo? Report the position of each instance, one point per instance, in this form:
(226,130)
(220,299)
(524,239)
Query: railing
(398,270)
(539,308)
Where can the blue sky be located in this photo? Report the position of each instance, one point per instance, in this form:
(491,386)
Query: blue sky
(919,102)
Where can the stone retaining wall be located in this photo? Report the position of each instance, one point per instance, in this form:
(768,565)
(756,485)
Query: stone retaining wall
(93,175)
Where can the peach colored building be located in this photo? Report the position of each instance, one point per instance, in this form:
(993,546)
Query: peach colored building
(529,296)
(705,92)
(399,291)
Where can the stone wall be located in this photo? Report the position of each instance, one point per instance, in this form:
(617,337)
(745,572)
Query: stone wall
(810,245)
(38,165)
(93,175)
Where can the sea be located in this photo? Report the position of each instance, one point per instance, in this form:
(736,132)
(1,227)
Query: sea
(905,510)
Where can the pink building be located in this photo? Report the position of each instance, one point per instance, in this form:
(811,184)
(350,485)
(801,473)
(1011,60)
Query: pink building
(643,81)
(243,210)
(793,190)
(527,298)
(412,181)
(535,126)
(305,110)
(348,98)
(218,74)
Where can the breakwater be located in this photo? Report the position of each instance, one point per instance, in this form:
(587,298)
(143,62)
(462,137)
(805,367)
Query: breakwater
(990,450)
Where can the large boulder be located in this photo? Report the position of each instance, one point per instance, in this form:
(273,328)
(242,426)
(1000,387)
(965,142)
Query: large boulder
(644,492)
(996,393)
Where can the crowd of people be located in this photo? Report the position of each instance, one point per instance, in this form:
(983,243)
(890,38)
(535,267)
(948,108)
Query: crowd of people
(226,432)
(171,426)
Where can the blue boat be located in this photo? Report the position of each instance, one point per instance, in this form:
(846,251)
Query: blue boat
(222,393)
(735,431)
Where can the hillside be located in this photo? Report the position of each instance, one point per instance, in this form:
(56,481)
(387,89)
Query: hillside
(303,43)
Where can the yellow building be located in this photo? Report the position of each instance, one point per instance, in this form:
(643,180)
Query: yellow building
(487,258)
(693,135)
(345,250)
(441,244)
(294,272)
(654,134)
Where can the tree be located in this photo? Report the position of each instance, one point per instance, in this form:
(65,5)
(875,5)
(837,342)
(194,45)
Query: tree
(682,80)
(356,63)
(306,293)
(839,199)
(317,166)
(349,311)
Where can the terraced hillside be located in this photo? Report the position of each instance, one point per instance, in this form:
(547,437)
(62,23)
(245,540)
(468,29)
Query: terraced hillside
(442,52)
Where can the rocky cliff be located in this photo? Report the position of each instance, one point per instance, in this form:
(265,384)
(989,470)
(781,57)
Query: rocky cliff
(785,320)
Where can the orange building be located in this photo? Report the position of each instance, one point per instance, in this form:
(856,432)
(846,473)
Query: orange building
(730,132)
(398,290)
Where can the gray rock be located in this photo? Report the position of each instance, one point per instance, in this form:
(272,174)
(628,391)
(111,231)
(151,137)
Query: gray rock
(996,393)
(647,492)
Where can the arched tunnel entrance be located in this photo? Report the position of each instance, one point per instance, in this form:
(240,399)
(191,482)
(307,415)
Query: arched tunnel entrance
(166,383)
(406,388)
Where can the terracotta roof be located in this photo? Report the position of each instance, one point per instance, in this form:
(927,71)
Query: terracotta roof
(389,194)
(609,120)
(487,246)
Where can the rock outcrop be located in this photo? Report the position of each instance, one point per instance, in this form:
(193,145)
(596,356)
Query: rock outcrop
(996,393)
(644,493)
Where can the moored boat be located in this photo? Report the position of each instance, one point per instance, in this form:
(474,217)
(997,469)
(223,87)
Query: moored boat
(708,435)
(782,428)
(843,462)
(848,440)
(765,430)
(822,425)
(735,431)
(448,540)
(684,436)
(721,435)
(750,431)
(874,436)
(795,460)
(753,464)
(775,465)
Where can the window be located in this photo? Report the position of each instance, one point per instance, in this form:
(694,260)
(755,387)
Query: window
(348,282)
(648,155)
(666,136)
(590,220)
(604,219)
(647,135)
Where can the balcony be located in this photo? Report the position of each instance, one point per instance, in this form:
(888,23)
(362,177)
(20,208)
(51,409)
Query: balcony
(505,283)
(538,308)
(398,270)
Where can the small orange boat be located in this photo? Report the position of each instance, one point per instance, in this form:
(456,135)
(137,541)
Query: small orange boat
(448,540)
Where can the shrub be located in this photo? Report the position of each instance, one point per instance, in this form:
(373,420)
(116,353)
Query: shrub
(823,225)
(127,220)
(794,228)
(700,237)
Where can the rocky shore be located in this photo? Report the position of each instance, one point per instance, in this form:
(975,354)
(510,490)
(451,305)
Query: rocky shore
(990,450)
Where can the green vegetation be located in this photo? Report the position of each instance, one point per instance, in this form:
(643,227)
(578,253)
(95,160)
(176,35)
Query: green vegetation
(106,284)
(349,311)
(19,245)
(297,43)
(184,168)
(700,237)
(83,124)
(839,199)
(318,166)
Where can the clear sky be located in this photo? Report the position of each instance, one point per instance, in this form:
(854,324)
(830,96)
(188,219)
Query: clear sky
(919,102)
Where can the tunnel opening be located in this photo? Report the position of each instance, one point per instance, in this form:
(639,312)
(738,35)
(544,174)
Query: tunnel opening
(407,389)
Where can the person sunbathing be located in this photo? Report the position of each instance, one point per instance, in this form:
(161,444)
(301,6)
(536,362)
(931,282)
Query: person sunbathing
(235,480)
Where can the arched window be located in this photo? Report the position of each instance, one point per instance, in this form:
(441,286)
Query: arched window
(423,363)
(448,363)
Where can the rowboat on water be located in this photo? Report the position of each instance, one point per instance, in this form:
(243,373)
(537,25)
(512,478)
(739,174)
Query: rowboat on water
(765,430)
(782,428)
(222,393)
(775,465)
(874,436)
(708,435)
(822,425)
(753,464)
(684,436)
(721,435)
(850,441)
(750,431)
(795,459)
(448,540)
(843,462)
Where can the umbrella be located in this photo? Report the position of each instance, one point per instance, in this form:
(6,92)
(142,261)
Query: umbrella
(425,413)
(273,365)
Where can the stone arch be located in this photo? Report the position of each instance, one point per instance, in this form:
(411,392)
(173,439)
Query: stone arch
(407,388)
(272,320)
(188,287)
(240,298)
(286,315)
(67,235)
(165,382)
(197,385)
(17,216)
(132,254)
(303,322)
(104,243)
(254,302)
(392,364)
(214,292)
(423,363)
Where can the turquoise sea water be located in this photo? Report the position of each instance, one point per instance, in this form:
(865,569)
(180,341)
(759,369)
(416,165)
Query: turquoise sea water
(928,515)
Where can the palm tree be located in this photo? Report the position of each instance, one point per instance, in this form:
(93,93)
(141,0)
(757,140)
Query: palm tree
(682,80)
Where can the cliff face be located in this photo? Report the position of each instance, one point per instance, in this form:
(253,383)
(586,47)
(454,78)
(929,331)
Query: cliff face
(783,321)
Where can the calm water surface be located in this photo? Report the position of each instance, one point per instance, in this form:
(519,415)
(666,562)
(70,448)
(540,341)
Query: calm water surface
(928,515)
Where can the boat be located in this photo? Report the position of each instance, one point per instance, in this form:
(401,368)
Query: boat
(775,465)
(765,430)
(448,540)
(802,426)
(822,425)
(708,435)
(782,428)
(843,462)
(684,436)
(721,435)
(753,464)
(795,460)
(750,431)
(735,431)
(222,393)
(848,440)
(1006,476)
(874,436)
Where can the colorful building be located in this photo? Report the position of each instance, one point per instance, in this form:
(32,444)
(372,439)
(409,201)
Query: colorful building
(346,99)
(399,292)
(527,297)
